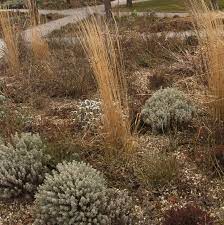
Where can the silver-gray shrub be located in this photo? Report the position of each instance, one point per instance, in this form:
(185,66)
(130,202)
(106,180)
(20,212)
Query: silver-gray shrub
(119,207)
(22,165)
(77,194)
(2,99)
(2,108)
(167,108)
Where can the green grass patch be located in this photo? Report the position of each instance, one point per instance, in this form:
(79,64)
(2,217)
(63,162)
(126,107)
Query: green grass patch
(161,6)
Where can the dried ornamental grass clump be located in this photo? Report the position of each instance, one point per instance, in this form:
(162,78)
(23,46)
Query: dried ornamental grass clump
(166,109)
(22,165)
(187,215)
(77,194)
(104,54)
(10,39)
(209,29)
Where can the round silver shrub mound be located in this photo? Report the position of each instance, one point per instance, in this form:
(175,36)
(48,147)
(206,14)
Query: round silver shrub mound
(167,108)
(119,207)
(76,194)
(22,165)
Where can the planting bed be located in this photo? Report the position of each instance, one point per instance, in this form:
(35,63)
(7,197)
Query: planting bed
(53,4)
(168,168)
(141,24)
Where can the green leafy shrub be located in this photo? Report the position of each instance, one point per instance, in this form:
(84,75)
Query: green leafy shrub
(77,194)
(22,165)
(166,109)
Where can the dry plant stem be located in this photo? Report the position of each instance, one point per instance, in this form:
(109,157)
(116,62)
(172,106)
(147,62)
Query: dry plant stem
(9,35)
(39,45)
(41,54)
(33,11)
(102,49)
(210,35)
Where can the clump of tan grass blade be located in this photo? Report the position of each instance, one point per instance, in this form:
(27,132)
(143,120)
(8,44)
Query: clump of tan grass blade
(103,51)
(33,11)
(9,36)
(186,62)
(41,54)
(210,31)
(39,46)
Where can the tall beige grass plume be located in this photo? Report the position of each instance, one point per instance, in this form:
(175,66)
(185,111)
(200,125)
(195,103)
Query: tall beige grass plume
(9,36)
(39,46)
(33,12)
(210,29)
(103,50)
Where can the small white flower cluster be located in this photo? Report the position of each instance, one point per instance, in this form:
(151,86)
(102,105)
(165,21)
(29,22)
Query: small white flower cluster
(88,114)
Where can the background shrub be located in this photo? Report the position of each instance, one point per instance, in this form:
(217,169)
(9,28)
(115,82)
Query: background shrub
(77,194)
(167,108)
(22,165)
(187,215)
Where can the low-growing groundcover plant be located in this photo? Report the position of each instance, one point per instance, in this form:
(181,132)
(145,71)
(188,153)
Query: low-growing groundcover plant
(76,193)
(187,215)
(23,165)
(2,100)
(157,169)
(88,115)
(13,119)
(166,109)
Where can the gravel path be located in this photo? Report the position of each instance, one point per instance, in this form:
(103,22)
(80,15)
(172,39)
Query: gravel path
(71,16)
(78,14)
